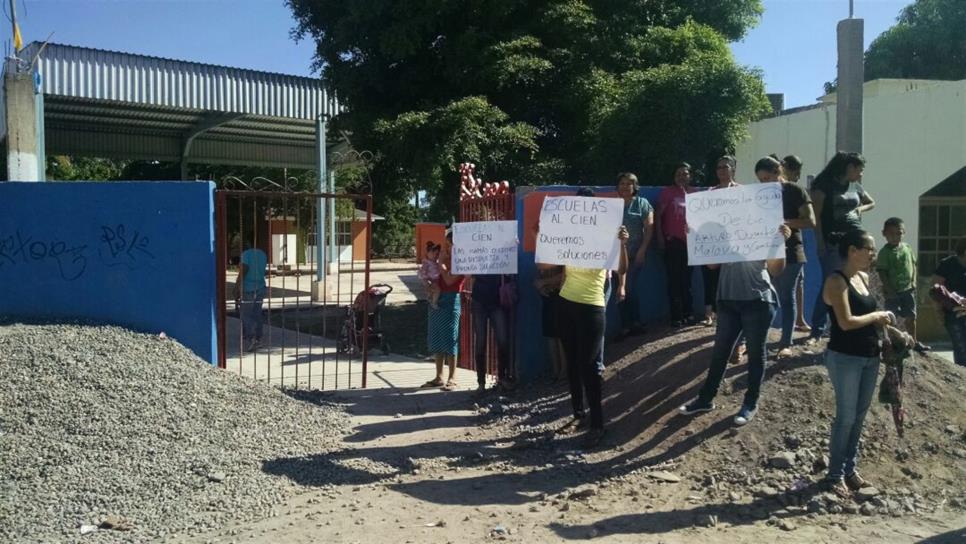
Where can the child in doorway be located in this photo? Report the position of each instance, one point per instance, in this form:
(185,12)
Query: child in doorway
(896,266)
(429,273)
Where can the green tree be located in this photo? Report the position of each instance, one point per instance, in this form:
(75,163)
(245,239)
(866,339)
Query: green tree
(66,168)
(533,92)
(927,42)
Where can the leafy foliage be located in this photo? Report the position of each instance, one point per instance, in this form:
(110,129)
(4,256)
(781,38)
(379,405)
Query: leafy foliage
(928,42)
(532,91)
(65,168)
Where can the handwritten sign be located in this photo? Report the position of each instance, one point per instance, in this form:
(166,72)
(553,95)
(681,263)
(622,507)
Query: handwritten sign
(485,247)
(735,224)
(580,232)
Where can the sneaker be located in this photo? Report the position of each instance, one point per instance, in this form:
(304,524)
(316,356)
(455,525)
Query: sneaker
(745,415)
(922,348)
(696,407)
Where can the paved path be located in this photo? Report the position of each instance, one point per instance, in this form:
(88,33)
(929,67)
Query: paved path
(290,359)
(292,290)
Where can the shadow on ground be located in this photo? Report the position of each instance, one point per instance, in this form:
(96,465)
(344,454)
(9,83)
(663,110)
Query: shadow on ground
(643,390)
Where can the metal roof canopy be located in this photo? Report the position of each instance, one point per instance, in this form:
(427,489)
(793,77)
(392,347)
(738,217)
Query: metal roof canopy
(120,105)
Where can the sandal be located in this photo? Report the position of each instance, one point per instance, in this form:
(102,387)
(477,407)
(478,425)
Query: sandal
(803,328)
(839,489)
(433,383)
(450,386)
(855,482)
(739,351)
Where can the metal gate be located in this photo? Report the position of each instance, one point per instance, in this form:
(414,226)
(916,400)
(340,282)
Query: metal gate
(317,247)
(489,208)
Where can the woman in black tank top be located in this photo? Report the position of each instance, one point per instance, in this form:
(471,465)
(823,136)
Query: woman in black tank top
(852,358)
(863,341)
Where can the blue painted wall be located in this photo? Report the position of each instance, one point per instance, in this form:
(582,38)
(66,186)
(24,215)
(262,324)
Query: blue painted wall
(651,282)
(140,255)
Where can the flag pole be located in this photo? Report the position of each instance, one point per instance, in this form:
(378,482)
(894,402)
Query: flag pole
(17,38)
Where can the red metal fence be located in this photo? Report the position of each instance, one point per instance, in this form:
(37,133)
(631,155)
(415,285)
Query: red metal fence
(489,208)
(311,338)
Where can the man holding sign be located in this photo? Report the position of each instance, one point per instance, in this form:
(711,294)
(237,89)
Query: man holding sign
(743,228)
(579,233)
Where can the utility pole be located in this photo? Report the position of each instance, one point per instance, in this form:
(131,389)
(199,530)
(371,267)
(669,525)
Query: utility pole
(851,76)
(23,105)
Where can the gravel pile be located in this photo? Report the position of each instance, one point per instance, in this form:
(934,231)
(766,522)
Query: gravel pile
(112,436)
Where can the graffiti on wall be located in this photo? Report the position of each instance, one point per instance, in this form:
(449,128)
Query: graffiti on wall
(113,246)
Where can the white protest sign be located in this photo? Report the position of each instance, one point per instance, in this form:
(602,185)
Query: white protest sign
(580,231)
(485,247)
(735,224)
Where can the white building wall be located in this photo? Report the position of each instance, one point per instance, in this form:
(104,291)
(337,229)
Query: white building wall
(914,137)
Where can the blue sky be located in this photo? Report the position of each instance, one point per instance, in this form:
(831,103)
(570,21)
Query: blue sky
(794,44)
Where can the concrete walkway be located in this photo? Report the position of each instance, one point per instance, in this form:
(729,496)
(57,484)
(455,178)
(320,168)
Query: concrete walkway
(304,361)
(291,290)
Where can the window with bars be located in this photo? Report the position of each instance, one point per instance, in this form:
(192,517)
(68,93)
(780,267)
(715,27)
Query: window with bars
(941,224)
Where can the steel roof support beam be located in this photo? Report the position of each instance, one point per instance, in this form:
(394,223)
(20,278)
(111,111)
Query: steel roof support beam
(206,123)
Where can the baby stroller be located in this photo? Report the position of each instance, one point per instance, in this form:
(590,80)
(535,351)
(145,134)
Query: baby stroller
(370,301)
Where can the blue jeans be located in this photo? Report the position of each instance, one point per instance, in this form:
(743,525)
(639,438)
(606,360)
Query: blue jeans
(250,312)
(854,379)
(956,326)
(750,318)
(831,261)
(495,316)
(630,308)
(786,285)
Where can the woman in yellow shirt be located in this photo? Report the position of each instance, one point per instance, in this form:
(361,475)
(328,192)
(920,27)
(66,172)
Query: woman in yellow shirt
(581,321)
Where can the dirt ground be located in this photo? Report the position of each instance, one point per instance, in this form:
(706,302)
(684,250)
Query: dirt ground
(441,467)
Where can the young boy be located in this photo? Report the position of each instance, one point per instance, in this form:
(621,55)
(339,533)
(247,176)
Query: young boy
(896,266)
(429,273)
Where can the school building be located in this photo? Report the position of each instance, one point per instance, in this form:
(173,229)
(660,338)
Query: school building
(914,134)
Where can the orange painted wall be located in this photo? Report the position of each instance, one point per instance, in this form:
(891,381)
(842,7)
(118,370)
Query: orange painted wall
(428,232)
(359,240)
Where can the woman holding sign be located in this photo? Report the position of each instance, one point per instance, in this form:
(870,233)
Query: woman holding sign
(489,308)
(747,304)
(581,328)
(443,331)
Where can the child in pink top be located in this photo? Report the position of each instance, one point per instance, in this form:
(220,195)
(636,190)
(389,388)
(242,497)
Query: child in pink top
(429,272)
